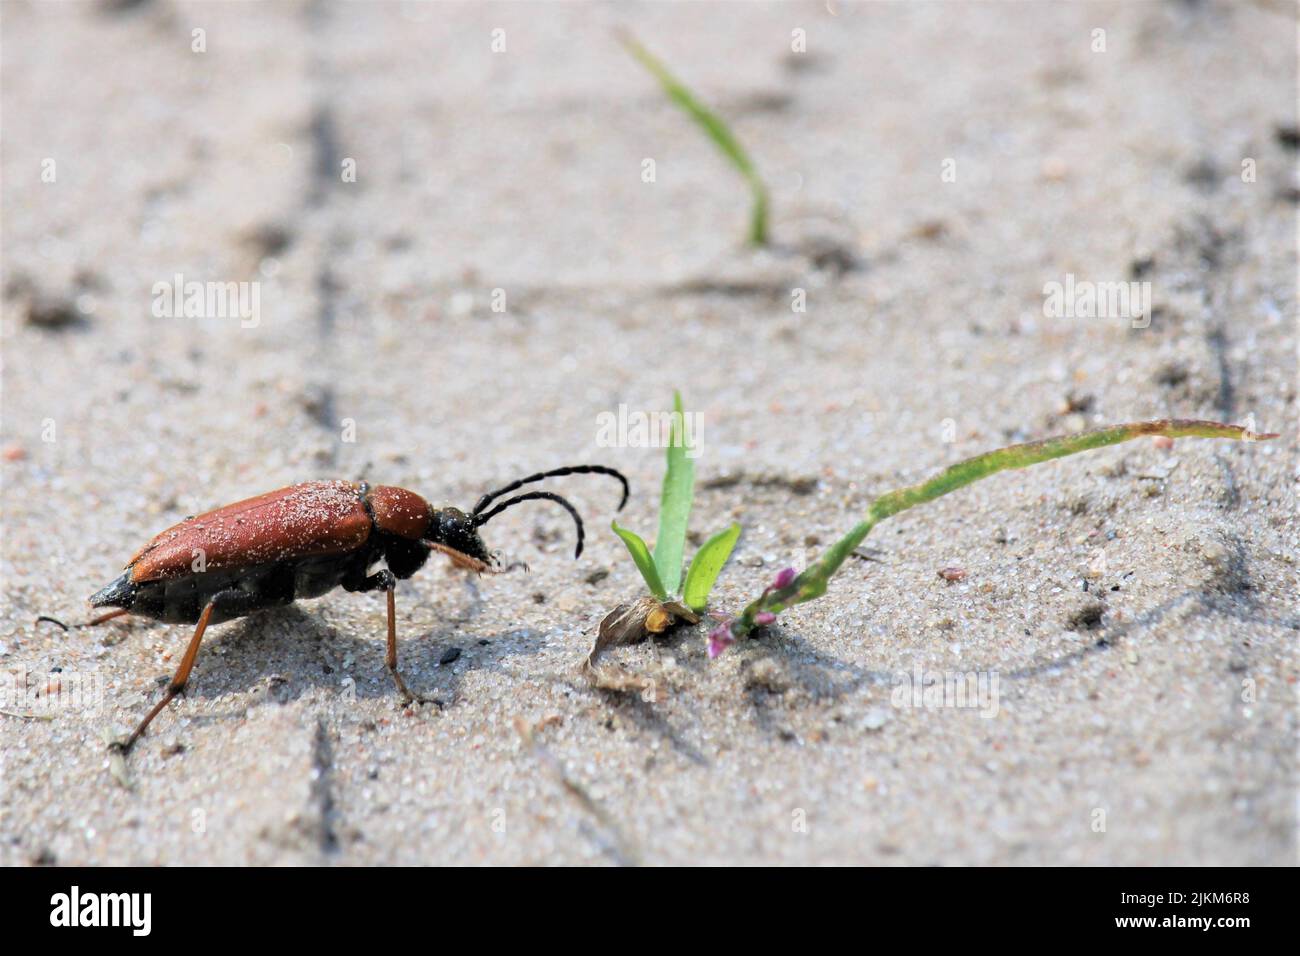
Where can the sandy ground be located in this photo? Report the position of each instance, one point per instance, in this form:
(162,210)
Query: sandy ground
(1150,719)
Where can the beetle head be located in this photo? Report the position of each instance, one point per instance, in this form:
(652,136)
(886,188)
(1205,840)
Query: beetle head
(454,532)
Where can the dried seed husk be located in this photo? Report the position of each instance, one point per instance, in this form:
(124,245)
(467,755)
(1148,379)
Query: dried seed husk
(626,624)
(682,612)
(633,622)
(658,620)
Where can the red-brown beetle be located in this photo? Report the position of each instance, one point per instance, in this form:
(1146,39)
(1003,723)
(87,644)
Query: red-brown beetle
(300,542)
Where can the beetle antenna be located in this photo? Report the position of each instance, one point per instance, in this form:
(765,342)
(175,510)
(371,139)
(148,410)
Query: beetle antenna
(482,519)
(555,473)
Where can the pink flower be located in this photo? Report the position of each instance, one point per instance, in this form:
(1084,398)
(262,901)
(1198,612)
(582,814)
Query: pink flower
(764,618)
(784,579)
(720,638)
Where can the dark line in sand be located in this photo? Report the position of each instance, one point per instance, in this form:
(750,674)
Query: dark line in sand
(322,794)
(323,176)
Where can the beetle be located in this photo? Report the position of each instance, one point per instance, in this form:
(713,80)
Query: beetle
(302,542)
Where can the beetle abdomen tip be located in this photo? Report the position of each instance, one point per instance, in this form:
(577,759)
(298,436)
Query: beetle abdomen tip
(119,592)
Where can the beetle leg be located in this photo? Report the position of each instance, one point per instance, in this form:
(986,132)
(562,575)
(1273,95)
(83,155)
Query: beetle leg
(179,680)
(384,580)
(93,622)
(390,658)
(103,618)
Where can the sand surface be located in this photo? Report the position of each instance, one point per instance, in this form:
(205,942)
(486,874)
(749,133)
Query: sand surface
(1149,719)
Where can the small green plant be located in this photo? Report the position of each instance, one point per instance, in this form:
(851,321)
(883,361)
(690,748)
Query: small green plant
(714,128)
(662,568)
(791,588)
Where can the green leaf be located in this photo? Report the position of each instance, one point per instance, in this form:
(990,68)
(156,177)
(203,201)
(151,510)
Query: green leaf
(675,505)
(706,567)
(641,555)
(714,128)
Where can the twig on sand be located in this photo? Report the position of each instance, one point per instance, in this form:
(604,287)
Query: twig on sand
(14,713)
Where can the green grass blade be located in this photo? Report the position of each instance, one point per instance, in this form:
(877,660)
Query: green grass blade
(812,582)
(714,128)
(641,555)
(706,567)
(675,503)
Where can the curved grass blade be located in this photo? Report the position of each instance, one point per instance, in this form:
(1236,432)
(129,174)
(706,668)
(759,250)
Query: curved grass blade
(641,555)
(812,582)
(706,567)
(713,127)
(675,503)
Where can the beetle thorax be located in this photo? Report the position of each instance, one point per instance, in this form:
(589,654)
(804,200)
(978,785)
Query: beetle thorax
(399,512)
